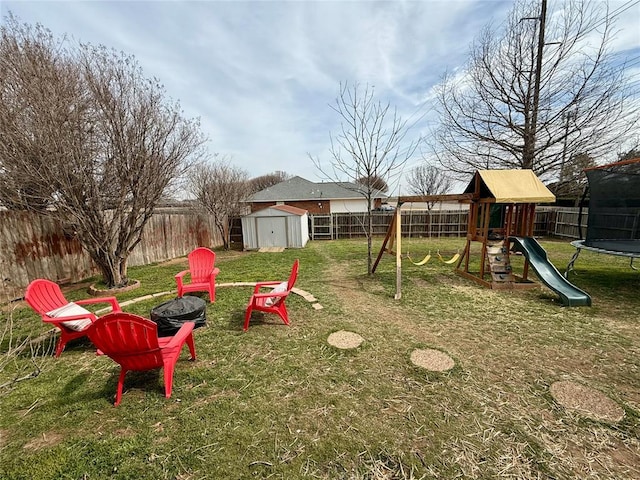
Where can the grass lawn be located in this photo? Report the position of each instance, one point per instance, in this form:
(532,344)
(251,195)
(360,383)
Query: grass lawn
(280,402)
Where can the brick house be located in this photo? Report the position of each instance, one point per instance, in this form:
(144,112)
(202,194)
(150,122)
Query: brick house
(316,198)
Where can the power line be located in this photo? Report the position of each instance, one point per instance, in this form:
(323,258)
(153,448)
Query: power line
(623,8)
(632,62)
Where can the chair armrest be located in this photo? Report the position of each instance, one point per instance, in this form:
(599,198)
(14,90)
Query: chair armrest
(269,295)
(58,320)
(259,285)
(179,277)
(179,338)
(215,271)
(181,274)
(115,307)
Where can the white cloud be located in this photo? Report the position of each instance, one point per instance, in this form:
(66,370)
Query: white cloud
(261,74)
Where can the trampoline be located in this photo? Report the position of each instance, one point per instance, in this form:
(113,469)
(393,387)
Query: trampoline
(579,245)
(613,224)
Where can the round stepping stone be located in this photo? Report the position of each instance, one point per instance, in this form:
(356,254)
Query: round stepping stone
(587,401)
(345,340)
(433,360)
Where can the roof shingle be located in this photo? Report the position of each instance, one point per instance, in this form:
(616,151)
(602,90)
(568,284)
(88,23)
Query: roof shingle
(298,189)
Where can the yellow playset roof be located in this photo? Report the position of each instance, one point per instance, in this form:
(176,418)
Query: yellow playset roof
(510,186)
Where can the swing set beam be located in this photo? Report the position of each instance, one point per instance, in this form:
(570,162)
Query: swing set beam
(394,231)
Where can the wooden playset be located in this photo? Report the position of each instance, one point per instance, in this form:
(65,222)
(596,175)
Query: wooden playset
(504,206)
(501,207)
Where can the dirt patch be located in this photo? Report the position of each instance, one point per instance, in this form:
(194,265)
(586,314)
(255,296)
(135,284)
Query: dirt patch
(419,282)
(345,340)
(220,257)
(587,401)
(49,439)
(175,261)
(127,432)
(358,301)
(476,291)
(433,360)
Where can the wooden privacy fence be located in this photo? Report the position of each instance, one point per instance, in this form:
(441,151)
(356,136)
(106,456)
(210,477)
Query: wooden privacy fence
(422,223)
(566,225)
(33,246)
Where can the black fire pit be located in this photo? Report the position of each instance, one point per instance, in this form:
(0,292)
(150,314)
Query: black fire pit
(172,314)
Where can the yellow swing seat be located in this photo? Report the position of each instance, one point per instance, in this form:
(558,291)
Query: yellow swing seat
(449,262)
(421,262)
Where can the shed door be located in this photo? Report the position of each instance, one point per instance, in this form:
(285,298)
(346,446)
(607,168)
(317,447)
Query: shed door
(272,231)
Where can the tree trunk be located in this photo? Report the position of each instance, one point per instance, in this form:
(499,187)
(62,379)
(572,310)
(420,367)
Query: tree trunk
(114,270)
(369,239)
(227,234)
(221,229)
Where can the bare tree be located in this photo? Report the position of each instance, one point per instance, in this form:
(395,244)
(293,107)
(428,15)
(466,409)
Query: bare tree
(85,137)
(630,154)
(221,189)
(371,144)
(536,93)
(428,180)
(574,180)
(20,343)
(265,181)
(39,87)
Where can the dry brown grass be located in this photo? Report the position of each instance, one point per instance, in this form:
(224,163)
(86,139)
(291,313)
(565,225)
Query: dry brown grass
(507,387)
(586,400)
(281,402)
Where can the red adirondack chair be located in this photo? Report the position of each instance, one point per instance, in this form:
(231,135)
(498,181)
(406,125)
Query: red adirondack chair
(273,301)
(46,298)
(133,343)
(202,271)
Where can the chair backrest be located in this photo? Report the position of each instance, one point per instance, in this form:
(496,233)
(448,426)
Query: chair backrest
(201,263)
(44,296)
(294,274)
(284,287)
(129,339)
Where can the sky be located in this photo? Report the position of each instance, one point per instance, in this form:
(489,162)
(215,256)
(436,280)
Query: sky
(261,75)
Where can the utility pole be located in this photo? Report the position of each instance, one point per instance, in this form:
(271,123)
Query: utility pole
(530,139)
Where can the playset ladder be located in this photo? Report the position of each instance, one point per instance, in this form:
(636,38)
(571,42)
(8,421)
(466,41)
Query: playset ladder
(499,263)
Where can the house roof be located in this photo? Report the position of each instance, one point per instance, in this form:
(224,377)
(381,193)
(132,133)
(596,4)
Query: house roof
(298,188)
(511,186)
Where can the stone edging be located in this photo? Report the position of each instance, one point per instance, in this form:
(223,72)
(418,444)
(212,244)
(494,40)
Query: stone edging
(306,295)
(95,292)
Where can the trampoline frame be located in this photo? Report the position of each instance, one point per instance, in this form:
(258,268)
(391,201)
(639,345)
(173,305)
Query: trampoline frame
(579,246)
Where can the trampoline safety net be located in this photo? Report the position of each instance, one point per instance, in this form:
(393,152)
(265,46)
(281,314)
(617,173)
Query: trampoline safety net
(614,207)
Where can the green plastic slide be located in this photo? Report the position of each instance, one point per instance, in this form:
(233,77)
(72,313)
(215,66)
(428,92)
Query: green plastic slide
(571,295)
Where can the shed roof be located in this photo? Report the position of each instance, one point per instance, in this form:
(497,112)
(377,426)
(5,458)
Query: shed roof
(510,186)
(290,209)
(298,188)
(280,209)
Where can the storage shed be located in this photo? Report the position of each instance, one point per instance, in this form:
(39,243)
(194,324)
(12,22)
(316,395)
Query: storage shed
(276,226)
